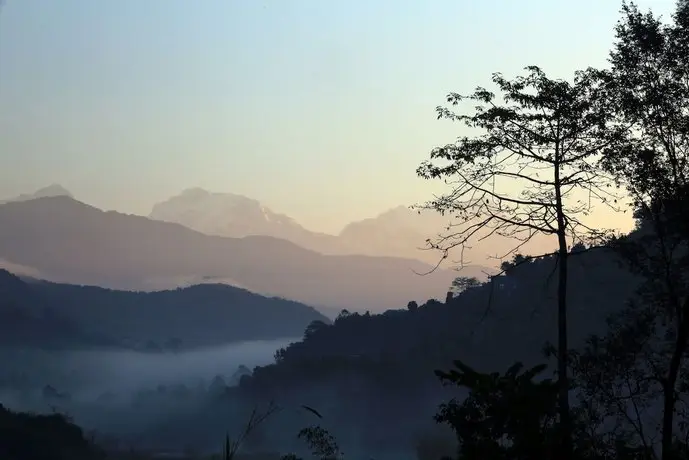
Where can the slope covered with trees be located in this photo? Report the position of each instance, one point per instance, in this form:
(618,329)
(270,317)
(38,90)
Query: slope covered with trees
(35,312)
(376,372)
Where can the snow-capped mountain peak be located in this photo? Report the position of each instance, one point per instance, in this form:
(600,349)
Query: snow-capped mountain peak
(224,214)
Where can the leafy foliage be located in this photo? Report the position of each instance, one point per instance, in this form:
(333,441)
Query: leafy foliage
(648,87)
(642,359)
(504,416)
(321,442)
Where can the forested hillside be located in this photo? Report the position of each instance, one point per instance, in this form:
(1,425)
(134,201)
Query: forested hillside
(33,312)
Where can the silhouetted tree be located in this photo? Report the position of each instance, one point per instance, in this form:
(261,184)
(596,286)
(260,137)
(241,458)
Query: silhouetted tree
(519,177)
(649,85)
(518,259)
(578,248)
(462,283)
(279,355)
(506,266)
(313,328)
(322,444)
(344,314)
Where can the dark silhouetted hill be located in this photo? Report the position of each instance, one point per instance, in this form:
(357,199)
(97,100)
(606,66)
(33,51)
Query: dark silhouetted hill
(203,315)
(517,307)
(69,241)
(361,367)
(25,436)
(27,319)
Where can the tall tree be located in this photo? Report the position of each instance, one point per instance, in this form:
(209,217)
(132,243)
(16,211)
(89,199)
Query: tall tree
(530,168)
(649,84)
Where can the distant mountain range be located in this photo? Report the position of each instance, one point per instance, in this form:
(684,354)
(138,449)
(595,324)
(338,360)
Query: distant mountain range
(236,216)
(60,239)
(39,313)
(398,232)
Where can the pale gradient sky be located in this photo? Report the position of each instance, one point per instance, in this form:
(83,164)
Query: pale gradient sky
(320,109)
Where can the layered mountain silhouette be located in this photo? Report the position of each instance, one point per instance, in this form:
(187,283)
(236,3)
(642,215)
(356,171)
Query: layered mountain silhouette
(64,240)
(40,313)
(398,232)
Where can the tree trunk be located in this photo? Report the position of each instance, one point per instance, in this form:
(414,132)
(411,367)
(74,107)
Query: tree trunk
(668,413)
(562,355)
(682,318)
(562,342)
(671,382)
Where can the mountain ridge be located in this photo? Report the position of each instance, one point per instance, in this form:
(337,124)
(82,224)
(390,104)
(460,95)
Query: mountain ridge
(196,316)
(68,241)
(396,232)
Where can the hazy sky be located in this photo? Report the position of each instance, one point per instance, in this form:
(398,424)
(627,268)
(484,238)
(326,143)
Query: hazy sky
(320,109)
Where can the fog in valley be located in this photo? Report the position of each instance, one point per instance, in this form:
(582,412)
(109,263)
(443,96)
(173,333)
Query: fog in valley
(122,394)
(85,375)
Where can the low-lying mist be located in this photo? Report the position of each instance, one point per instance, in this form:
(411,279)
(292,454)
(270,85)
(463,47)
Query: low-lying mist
(126,371)
(93,371)
(171,402)
(122,393)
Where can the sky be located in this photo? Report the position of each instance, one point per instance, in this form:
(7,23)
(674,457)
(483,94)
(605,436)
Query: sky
(320,109)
